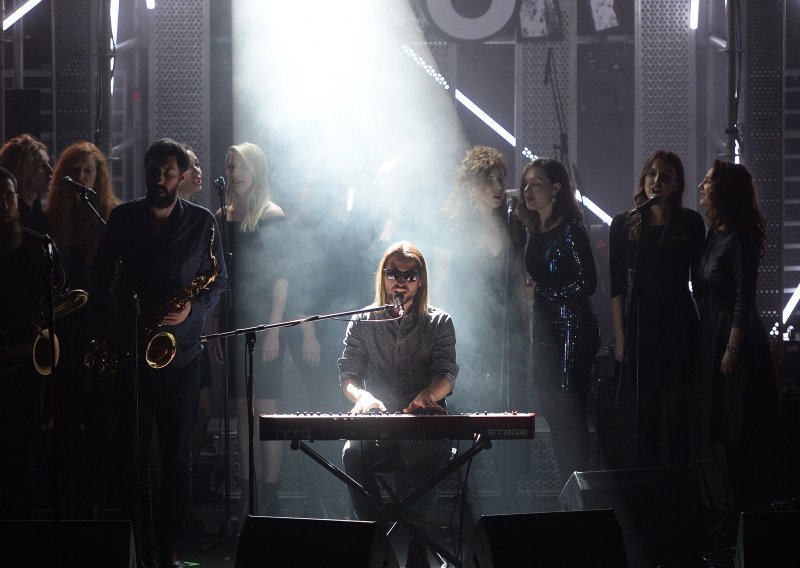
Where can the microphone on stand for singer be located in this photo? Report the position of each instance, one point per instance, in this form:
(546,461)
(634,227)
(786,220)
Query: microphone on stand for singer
(77,186)
(655,200)
(398,300)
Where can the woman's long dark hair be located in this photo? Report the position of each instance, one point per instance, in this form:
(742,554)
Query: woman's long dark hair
(565,207)
(672,207)
(733,203)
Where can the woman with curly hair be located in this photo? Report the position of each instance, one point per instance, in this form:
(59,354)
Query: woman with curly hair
(736,412)
(481,282)
(75,228)
(82,400)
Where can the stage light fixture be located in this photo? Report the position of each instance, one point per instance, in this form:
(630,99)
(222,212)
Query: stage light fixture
(791,305)
(151,4)
(694,12)
(19,12)
(593,207)
(488,120)
(426,66)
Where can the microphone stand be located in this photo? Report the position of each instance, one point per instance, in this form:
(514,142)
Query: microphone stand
(250,338)
(227,303)
(50,252)
(85,199)
(625,365)
(137,489)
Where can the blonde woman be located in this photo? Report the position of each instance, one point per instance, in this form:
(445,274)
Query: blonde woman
(259,290)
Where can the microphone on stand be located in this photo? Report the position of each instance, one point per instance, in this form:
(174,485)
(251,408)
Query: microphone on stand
(398,300)
(220,184)
(512,201)
(77,186)
(655,200)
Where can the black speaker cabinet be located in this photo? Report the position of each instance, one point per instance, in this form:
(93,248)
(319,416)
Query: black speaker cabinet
(659,510)
(768,539)
(89,544)
(573,539)
(282,541)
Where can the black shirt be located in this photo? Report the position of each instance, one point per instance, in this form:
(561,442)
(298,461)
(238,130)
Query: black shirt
(33,217)
(157,266)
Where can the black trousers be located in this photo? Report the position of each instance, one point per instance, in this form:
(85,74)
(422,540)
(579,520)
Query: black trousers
(422,459)
(168,399)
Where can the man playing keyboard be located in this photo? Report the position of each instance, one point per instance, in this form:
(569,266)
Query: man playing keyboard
(400,361)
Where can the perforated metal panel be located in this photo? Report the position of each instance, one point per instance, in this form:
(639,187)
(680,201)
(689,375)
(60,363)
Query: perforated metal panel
(763,141)
(664,84)
(537,122)
(74,73)
(179,74)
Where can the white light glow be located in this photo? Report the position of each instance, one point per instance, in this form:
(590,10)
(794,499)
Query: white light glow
(694,12)
(592,206)
(151,4)
(528,154)
(488,120)
(438,77)
(792,304)
(114,12)
(19,12)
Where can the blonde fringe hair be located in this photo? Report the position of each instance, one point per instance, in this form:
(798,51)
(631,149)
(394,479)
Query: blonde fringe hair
(258,199)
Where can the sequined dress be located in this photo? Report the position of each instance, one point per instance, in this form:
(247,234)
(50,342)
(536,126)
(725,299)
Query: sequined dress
(565,331)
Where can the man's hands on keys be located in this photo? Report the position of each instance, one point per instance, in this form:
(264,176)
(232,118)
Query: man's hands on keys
(424,403)
(367,402)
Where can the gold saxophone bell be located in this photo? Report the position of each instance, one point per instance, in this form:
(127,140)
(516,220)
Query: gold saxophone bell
(41,353)
(160,350)
(70,301)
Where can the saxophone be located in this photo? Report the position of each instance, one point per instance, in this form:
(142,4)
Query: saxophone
(160,345)
(30,341)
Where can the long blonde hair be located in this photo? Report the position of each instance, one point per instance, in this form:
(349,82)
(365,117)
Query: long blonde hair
(258,199)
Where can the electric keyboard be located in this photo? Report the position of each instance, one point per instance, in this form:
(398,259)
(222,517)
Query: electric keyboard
(386,426)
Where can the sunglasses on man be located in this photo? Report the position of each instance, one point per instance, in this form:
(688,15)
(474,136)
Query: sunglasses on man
(401,275)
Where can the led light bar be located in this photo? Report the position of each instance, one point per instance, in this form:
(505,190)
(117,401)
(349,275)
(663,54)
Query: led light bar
(792,304)
(488,120)
(19,12)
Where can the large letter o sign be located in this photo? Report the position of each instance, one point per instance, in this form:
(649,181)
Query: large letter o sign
(455,25)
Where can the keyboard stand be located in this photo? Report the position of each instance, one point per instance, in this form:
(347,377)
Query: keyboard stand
(394,512)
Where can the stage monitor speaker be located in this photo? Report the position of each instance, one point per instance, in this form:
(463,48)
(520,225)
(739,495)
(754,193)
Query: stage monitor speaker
(89,544)
(571,539)
(659,510)
(283,541)
(768,539)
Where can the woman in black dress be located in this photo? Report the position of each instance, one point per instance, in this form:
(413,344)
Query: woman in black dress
(655,319)
(559,260)
(736,413)
(85,419)
(257,269)
(481,283)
